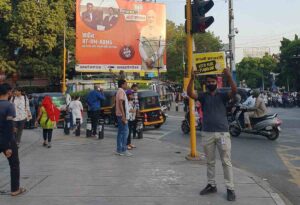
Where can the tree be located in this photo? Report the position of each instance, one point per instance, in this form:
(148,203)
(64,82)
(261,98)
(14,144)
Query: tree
(31,35)
(289,65)
(176,48)
(6,65)
(37,31)
(256,71)
(5,10)
(175,51)
(207,42)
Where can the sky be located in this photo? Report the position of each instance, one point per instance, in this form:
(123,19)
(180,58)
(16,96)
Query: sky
(261,23)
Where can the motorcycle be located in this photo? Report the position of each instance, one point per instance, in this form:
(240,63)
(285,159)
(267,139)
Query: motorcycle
(268,126)
(185,125)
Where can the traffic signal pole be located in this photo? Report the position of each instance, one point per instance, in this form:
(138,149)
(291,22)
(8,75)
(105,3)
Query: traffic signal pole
(64,64)
(189,45)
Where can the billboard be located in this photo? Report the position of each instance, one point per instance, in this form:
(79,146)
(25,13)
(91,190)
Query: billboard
(256,52)
(209,63)
(114,35)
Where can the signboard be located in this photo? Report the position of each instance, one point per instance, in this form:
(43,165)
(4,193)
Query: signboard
(209,63)
(113,35)
(256,52)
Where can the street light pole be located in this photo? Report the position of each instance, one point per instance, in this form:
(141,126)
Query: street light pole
(231,37)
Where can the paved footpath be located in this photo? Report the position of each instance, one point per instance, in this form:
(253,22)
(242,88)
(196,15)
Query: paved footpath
(79,171)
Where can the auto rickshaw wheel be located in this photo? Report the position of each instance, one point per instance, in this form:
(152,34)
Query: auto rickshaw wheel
(157,126)
(106,120)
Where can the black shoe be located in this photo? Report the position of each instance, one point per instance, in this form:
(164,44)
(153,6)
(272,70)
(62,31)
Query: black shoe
(209,189)
(230,195)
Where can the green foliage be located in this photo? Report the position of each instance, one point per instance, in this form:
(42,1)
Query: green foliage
(43,67)
(82,94)
(207,42)
(289,65)
(7,66)
(255,71)
(5,10)
(35,29)
(144,86)
(176,48)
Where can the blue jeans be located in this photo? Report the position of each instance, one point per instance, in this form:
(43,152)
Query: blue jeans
(122,136)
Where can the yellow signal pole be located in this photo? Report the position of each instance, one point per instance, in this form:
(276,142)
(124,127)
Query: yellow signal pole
(64,64)
(189,44)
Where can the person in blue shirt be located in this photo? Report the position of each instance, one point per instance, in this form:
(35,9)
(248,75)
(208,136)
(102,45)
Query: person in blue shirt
(94,105)
(8,144)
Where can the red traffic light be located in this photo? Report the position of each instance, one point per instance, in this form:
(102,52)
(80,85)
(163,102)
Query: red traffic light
(200,24)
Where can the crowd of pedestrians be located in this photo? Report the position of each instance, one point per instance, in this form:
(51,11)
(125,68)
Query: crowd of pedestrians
(126,111)
(16,109)
(15,112)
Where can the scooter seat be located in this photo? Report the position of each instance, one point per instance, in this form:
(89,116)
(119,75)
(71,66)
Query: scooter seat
(259,119)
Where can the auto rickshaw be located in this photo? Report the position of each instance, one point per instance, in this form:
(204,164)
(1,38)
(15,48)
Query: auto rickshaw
(107,111)
(150,109)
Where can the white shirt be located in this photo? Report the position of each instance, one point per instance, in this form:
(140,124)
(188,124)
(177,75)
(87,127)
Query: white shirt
(250,102)
(76,108)
(21,107)
(131,114)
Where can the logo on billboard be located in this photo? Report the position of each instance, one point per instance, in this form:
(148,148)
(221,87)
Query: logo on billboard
(127,52)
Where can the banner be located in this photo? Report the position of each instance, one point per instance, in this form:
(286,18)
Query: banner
(209,63)
(113,35)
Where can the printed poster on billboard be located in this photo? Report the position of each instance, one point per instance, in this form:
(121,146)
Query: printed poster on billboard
(113,35)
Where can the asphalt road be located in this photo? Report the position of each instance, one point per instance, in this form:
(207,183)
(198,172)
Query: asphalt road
(278,161)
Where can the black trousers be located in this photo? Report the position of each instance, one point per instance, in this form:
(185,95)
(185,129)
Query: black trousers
(19,126)
(94,115)
(47,134)
(14,165)
(132,129)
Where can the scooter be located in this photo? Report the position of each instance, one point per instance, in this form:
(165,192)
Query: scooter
(268,126)
(185,125)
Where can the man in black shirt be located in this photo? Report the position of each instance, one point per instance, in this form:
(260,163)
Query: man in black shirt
(7,141)
(216,131)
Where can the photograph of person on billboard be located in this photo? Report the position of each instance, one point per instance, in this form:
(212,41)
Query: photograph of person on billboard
(152,43)
(100,15)
(91,16)
(111,19)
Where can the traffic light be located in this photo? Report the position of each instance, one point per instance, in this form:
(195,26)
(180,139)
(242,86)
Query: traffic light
(199,22)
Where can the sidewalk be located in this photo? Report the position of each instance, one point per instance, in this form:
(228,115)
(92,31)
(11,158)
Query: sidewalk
(79,171)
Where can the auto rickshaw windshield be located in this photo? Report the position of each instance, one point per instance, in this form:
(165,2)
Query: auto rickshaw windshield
(149,102)
(107,102)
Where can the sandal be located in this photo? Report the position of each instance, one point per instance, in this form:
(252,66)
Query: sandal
(129,147)
(19,192)
(132,146)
